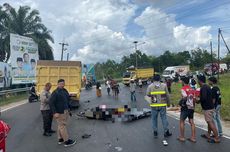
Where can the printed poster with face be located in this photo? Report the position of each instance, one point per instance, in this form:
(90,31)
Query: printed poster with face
(5,75)
(23,59)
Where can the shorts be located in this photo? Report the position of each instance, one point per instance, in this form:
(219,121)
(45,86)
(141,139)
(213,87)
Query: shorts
(140,86)
(208,115)
(188,113)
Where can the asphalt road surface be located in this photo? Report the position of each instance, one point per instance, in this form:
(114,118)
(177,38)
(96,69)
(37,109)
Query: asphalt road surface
(26,133)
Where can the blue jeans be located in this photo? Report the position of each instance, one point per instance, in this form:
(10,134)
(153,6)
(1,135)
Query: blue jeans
(155,112)
(133,96)
(133,100)
(217,120)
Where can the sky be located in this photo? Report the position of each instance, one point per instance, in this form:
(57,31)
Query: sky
(98,30)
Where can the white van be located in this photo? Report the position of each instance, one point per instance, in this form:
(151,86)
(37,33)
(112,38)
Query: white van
(223,67)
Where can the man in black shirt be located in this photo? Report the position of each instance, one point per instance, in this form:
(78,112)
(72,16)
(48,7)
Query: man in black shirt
(59,104)
(216,98)
(208,109)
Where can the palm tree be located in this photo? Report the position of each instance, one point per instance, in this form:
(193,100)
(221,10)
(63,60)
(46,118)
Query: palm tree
(25,22)
(3,17)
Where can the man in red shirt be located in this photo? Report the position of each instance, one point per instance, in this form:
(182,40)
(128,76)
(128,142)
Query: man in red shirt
(4,130)
(187,104)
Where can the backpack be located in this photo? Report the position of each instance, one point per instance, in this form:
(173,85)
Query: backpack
(188,103)
(190,99)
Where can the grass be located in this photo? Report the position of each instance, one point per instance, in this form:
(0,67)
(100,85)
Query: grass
(13,98)
(224,84)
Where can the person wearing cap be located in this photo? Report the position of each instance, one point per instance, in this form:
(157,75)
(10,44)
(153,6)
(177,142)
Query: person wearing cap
(133,93)
(157,96)
(216,98)
(59,104)
(187,104)
(33,65)
(18,71)
(45,110)
(208,109)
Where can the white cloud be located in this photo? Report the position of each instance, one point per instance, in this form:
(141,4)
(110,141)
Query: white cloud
(96,29)
(164,33)
(189,37)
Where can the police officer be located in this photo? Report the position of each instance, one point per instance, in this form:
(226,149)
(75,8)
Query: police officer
(158,97)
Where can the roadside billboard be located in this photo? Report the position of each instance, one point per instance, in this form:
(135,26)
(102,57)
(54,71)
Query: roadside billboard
(88,72)
(23,59)
(5,72)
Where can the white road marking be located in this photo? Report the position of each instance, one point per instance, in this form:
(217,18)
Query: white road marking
(197,126)
(13,106)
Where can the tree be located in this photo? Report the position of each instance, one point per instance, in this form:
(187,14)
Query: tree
(226,60)
(25,22)
(200,57)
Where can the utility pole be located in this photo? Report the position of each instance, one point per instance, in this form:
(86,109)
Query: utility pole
(135,43)
(67,56)
(218,52)
(62,49)
(211,56)
(224,42)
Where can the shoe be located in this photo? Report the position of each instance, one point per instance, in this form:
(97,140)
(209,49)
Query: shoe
(52,131)
(167,134)
(155,134)
(70,143)
(46,134)
(60,141)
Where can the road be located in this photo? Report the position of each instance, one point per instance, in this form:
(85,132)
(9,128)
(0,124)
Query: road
(26,133)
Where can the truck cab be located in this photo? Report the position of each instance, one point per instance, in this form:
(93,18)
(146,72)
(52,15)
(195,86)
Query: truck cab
(137,73)
(127,76)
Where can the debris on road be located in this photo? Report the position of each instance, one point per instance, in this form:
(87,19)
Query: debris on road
(108,144)
(87,101)
(118,148)
(81,114)
(85,136)
(104,112)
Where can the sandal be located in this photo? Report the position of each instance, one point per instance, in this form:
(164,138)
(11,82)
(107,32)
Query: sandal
(214,141)
(181,139)
(192,140)
(204,136)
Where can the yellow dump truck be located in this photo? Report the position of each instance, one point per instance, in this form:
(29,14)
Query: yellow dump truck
(52,71)
(142,73)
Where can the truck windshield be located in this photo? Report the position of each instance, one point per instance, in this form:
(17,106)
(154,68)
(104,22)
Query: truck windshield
(166,72)
(126,75)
